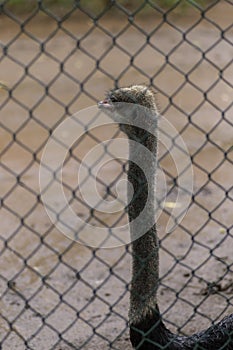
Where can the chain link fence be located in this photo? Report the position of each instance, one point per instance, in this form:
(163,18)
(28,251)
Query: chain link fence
(57,58)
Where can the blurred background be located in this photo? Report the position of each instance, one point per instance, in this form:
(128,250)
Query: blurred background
(57,58)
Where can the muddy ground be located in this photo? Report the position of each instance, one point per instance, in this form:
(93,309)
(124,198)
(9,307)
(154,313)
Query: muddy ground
(56,293)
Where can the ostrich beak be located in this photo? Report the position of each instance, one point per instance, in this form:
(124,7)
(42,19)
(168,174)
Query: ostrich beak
(105,104)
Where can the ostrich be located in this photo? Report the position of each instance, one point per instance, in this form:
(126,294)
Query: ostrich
(147,330)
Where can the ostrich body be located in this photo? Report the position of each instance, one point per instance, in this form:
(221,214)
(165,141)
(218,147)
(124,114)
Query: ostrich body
(147,330)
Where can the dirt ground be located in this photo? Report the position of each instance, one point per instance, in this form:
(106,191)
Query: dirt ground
(56,293)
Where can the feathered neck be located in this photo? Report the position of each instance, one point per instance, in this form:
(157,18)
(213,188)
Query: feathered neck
(145,264)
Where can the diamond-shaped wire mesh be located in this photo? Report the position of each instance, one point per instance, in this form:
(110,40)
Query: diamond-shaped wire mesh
(58,58)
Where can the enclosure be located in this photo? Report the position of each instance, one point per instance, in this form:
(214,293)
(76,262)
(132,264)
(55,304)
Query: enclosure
(57,59)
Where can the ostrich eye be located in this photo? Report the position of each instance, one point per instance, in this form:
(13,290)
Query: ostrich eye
(113,99)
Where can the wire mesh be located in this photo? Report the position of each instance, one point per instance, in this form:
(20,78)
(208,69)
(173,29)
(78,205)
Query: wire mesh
(58,58)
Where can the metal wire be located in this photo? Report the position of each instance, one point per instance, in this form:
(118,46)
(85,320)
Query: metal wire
(54,294)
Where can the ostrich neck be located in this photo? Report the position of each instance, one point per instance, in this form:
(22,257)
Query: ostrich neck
(145,258)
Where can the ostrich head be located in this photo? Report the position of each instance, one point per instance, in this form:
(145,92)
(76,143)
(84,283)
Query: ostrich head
(132,107)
